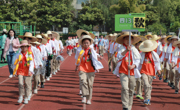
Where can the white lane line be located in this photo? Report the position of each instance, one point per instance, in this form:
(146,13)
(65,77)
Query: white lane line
(4,80)
(21,107)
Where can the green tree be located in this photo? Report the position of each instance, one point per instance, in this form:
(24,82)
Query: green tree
(91,16)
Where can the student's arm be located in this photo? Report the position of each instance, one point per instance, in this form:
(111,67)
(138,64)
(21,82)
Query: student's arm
(31,67)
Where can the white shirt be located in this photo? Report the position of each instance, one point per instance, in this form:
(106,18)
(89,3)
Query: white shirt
(57,47)
(96,41)
(61,45)
(136,61)
(168,53)
(175,59)
(43,50)
(48,48)
(37,56)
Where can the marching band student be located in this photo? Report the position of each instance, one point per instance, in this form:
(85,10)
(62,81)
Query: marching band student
(175,64)
(43,52)
(34,51)
(107,47)
(87,62)
(160,52)
(37,68)
(96,43)
(139,81)
(128,83)
(48,48)
(168,59)
(150,63)
(24,70)
(162,58)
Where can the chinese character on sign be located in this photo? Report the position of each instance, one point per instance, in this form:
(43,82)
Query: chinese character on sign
(139,22)
(122,20)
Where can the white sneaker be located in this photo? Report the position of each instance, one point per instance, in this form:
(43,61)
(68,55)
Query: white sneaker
(81,96)
(48,79)
(50,75)
(20,99)
(89,102)
(84,100)
(29,97)
(54,73)
(80,92)
(35,91)
(26,101)
(10,76)
(58,69)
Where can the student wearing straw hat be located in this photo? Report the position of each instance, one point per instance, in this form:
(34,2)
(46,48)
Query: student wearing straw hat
(48,48)
(96,43)
(166,67)
(87,62)
(139,81)
(159,51)
(175,64)
(37,69)
(55,62)
(148,36)
(101,43)
(128,82)
(150,63)
(32,50)
(107,47)
(168,59)
(43,52)
(80,33)
(24,69)
(113,51)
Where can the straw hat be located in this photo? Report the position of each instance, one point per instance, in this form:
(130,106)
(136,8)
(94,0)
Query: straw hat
(175,44)
(92,35)
(167,38)
(163,36)
(56,35)
(45,36)
(49,32)
(29,35)
(24,43)
(80,31)
(37,43)
(174,37)
(39,36)
(148,35)
(86,37)
(109,36)
(120,38)
(155,38)
(148,46)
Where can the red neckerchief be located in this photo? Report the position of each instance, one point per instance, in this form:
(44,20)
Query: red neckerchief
(86,53)
(38,47)
(48,41)
(163,45)
(99,41)
(149,55)
(23,59)
(53,39)
(157,41)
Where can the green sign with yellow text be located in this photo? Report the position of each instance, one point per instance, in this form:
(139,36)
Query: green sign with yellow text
(131,21)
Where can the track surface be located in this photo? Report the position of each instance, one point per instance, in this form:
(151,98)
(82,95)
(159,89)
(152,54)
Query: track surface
(61,92)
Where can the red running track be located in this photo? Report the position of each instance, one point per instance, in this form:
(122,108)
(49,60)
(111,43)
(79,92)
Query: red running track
(61,92)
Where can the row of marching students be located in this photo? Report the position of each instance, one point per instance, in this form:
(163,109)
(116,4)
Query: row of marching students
(37,58)
(147,56)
